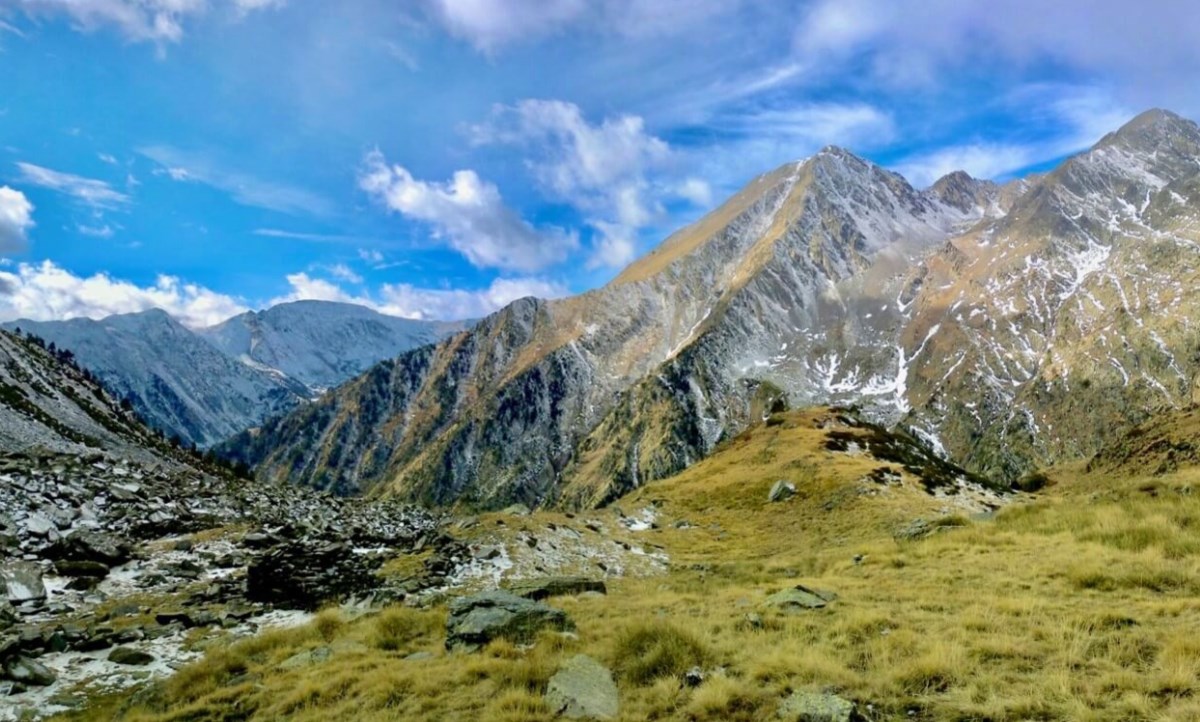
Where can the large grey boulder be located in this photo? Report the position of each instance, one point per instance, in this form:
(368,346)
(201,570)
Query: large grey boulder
(800,598)
(130,657)
(804,706)
(23,582)
(544,587)
(478,619)
(583,689)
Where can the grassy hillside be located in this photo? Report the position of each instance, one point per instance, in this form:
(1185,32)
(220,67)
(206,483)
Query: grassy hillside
(1078,602)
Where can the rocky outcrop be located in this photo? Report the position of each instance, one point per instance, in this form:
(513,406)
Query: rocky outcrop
(478,619)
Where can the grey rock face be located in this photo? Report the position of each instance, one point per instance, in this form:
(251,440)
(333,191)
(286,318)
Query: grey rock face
(476,620)
(583,689)
(23,581)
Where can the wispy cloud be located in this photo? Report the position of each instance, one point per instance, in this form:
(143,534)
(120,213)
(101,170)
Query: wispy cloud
(95,193)
(158,21)
(312,237)
(243,188)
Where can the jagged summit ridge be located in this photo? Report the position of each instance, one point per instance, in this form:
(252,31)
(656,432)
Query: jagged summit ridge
(976,315)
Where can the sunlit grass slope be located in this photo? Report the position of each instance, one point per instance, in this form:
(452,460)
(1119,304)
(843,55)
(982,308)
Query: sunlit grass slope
(1080,602)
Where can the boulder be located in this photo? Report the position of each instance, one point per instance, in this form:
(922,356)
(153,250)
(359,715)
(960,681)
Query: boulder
(91,546)
(81,569)
(782,490)
(583,689)
(478,619)
(23,581)
(804,706)
(545,587)
(130,657)
(28,672)
(799,598)
(305,574)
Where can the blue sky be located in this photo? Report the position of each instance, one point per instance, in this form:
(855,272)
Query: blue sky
(439,158)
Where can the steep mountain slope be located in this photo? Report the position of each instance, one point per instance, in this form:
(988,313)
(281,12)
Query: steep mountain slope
(498,413)
(54,407)
(1007,326)
(1072,318)
(207,385)
(321,343)
(178,382)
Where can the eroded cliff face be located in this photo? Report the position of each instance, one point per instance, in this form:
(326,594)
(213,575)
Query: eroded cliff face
(984,318)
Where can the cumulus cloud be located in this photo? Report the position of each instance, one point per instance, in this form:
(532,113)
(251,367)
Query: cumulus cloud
(16,218)
(410,301)
(159,21)
(245,189)
(469,215)
(95,193)
(46,292)
(615,172)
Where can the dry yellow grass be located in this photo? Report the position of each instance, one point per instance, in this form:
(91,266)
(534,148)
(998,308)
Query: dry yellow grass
(1079,603)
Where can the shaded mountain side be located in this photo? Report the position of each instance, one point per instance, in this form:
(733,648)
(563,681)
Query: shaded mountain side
(321,343)
(206,385)
(1166,442)
(179,383)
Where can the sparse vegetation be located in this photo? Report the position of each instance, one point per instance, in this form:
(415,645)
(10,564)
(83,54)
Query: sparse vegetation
(1081,604)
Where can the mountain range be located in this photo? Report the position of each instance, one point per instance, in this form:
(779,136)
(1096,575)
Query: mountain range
(207,384)
(985,319)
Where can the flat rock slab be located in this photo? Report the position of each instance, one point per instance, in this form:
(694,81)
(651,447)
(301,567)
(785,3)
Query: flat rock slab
(583,689)
(478,619)
(799,598)
(23,581)
(545,587)
(804,706)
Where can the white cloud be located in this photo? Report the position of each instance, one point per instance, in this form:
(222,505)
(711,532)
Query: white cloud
(159,21)
(102,231)
(16,218)
(980,160)
(248,190)
(107,158)
(370,255)
(452,304)
(469,215)
(907,42)
(46,292)
(343,272)
(490,24)
(95,193)
(1079,116)
(614,172)
(409,301)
